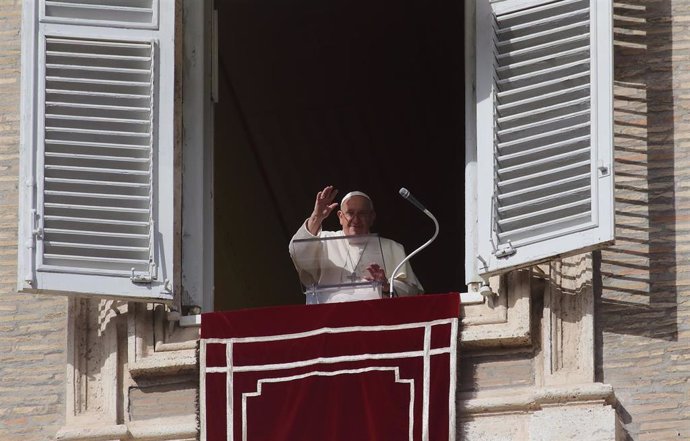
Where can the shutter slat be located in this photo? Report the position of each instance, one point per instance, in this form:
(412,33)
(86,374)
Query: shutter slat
(92,182)
(114,171)
(111,44)
(103,8)
(95,246)
(104,209)
(97,132)
(92,144)
(85,106)
(88,220)
(97,157)
(106,69)
(91,57)
(77,194)
(104,260)
(96,94)
(106,82)
(54,116)
(97,234)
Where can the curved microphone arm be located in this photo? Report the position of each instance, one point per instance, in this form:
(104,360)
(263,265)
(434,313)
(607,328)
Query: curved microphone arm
(397,268)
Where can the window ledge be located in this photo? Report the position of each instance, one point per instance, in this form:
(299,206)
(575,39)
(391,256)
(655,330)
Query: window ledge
(158,429)
(189,321)
(534,399)
(471,298)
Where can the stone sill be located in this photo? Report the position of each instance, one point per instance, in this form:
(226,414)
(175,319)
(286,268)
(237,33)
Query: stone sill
(521,400)
(187,321)
(165,364)
(151,430)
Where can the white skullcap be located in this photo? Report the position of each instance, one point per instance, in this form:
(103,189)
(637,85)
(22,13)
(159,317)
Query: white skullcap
(356,193)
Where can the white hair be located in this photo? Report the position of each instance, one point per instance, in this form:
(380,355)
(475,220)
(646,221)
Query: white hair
(356,193)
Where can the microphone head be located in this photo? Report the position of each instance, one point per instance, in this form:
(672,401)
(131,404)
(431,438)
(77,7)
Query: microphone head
(404,192)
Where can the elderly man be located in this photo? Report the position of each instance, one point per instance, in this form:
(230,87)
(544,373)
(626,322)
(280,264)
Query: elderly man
(356,216)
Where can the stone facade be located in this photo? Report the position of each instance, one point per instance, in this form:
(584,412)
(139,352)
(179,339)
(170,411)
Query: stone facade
(593,347)
(32,327)
(643,308)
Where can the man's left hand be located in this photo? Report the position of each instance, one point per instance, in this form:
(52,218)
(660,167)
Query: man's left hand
(378,274)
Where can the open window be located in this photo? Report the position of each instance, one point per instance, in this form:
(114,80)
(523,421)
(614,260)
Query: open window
(314,85)
(360,94)
(301,85)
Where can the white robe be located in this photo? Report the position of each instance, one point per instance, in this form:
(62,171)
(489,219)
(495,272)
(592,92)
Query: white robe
(336,259)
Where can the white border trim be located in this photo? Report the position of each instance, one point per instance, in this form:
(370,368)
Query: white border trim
(330,330)
(395,370)
(328,360)
(426,375)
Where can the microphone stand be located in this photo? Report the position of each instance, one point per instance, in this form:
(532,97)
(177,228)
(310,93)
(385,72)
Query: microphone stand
(397,268)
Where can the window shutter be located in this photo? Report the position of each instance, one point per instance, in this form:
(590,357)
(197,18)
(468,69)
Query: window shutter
(100,183)
(544,130)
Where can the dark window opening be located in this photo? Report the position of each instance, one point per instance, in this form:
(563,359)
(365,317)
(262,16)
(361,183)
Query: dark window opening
(363,95)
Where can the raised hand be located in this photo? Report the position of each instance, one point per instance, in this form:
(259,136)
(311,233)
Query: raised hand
(323,207)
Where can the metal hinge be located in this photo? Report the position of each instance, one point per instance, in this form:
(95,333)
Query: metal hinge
(505,251)
(36,227)
(145,277)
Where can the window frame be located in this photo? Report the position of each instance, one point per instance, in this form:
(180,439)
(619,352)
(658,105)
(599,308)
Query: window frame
(198,98)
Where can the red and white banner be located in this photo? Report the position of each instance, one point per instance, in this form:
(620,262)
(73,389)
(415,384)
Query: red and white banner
(370,370)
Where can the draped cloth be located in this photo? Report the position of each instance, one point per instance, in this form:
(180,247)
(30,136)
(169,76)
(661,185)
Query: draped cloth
(372,370)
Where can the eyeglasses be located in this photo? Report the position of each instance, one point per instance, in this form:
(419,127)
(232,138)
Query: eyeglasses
(362,215)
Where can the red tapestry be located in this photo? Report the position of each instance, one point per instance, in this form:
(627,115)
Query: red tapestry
(370,370)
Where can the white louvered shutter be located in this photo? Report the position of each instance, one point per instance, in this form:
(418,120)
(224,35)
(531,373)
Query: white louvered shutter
(544,130)
(101,184)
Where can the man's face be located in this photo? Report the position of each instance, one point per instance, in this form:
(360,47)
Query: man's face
(356,216)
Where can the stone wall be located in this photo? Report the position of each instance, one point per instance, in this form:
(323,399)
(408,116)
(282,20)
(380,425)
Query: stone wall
(32,328)
(643,308)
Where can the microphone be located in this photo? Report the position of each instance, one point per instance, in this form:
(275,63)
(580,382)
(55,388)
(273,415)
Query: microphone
(405,193)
